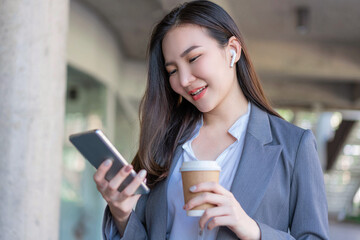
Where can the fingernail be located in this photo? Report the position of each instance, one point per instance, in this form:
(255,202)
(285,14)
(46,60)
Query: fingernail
(107,162)
(192,189)
(142,173)
(128,168)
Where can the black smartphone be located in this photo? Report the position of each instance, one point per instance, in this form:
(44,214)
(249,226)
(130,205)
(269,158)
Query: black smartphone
(96,148)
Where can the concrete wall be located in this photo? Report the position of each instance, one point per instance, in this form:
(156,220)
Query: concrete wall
(94,49)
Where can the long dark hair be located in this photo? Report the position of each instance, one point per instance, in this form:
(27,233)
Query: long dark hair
(165,121)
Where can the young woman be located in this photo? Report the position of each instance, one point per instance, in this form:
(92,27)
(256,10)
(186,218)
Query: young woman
(203,101)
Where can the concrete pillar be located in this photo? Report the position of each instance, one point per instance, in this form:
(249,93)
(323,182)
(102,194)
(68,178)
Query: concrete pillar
(110,113)
(32,100)
(324,132)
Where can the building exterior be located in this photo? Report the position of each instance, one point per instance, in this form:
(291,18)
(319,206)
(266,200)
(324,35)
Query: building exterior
(64,69)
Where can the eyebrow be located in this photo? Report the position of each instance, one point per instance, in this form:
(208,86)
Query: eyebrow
(183,54)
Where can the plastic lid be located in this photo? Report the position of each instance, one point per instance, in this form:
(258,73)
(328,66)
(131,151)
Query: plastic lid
(200,166)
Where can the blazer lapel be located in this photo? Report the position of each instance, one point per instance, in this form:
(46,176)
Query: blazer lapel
(156,210)
(253,174)
(256,166)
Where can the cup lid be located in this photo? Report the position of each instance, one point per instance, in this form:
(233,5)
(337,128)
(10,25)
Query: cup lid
(200,166)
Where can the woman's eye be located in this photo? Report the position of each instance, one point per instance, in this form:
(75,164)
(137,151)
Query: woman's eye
(194,58)
(172,72)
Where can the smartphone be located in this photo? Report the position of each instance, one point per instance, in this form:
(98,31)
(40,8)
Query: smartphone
(96,148)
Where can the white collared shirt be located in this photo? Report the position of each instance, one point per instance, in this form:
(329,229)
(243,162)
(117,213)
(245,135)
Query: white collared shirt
(179,225)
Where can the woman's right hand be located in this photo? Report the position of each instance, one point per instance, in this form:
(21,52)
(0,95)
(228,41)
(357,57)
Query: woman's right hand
(120,203)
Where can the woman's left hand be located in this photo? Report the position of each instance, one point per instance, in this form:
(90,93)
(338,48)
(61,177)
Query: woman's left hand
(227,211)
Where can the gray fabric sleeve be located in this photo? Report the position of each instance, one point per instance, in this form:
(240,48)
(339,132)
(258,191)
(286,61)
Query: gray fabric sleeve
(268,233)
(109,229)
(135,229)
(309,213)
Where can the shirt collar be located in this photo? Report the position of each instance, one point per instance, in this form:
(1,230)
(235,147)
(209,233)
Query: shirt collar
(187,145)
(239,127)
(236,130)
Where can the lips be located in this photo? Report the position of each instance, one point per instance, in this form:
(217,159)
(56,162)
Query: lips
(198,93)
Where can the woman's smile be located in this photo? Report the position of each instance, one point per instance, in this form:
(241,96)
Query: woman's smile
(198,93)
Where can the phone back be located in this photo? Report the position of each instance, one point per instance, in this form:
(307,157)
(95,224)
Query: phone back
(96,148)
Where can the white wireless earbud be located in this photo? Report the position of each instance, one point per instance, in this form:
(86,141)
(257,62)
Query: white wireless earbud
(233,57)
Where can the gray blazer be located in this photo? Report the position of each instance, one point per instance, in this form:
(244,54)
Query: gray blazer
(279,183)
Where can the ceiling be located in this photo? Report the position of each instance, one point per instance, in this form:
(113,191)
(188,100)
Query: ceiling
(316,65)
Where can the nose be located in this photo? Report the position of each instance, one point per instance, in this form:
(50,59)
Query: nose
(186,77)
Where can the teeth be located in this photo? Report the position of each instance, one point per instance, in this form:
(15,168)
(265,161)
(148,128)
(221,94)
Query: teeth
(198,91)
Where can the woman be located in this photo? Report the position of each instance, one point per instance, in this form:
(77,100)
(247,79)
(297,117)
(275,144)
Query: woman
(203,101)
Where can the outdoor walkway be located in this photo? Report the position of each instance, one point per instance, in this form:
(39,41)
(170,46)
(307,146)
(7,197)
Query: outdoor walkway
(344,231)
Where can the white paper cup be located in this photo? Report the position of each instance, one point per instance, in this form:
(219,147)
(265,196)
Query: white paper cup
(195,172)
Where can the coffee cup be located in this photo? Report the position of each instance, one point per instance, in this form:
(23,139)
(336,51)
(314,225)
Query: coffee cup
(193,173)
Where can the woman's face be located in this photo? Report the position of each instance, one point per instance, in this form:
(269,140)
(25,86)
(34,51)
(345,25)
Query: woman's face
(199,68)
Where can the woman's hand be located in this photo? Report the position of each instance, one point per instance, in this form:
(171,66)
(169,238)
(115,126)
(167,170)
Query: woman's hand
(227,212)
(120,203)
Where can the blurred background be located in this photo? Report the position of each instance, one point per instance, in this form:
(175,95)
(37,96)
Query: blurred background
(69,66)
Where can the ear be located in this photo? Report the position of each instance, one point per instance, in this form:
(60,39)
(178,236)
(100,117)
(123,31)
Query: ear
(234,44)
